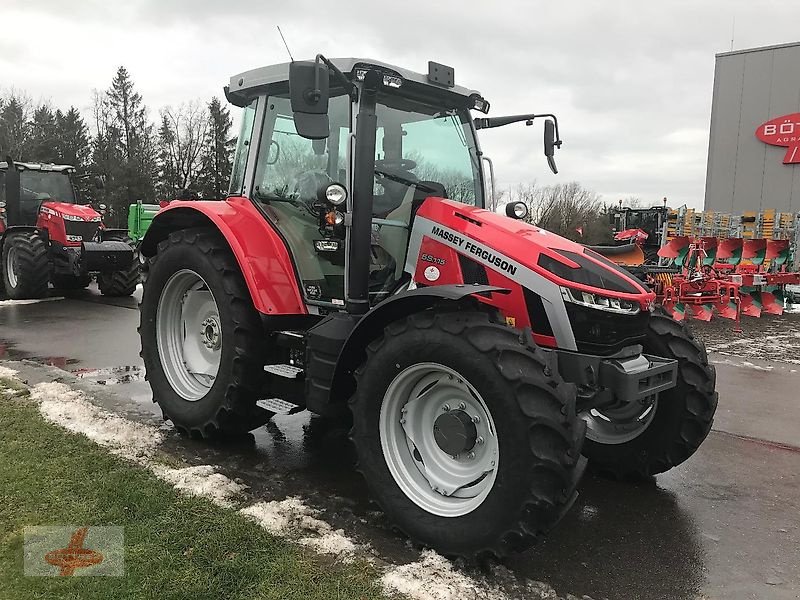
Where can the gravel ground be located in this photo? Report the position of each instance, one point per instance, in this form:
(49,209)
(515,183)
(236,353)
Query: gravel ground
(769,337)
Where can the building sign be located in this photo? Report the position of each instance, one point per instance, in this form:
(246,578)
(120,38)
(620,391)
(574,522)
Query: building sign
(783,131)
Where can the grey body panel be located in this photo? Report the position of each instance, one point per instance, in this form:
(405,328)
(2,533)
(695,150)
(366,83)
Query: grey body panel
(549,291)
(743,173)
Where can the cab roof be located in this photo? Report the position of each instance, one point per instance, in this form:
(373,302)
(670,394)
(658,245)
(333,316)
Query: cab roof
(248,84)
(39,167)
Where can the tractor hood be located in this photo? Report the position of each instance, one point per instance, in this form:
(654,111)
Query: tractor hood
(73,212)
(558,259)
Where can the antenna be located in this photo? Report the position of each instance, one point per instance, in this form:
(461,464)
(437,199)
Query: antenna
(287,45)
(733,31)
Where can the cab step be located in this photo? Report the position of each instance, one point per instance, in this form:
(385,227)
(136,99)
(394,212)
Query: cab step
(278,406)
(287,371)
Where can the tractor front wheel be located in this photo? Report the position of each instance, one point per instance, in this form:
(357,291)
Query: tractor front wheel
(202,339)
(650,438)
(466,434)
(26,269)
(123,282)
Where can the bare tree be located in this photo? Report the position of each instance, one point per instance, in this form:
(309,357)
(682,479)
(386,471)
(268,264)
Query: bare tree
(567,209)
(180,142)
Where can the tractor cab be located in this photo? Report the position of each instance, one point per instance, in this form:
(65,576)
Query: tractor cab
(38,183)
(425,145)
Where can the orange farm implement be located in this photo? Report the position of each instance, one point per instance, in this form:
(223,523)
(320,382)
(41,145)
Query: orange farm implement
(713,263)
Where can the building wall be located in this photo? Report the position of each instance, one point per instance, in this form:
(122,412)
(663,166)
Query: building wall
(743,173)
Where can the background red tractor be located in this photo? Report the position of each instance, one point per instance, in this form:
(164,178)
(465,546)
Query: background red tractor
(353,270)
(46,236)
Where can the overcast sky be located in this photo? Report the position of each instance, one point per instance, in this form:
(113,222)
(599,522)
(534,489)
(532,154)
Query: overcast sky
(630,81)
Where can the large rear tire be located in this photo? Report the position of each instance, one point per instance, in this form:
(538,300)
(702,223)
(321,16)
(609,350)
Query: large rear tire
(203,344)
(670,430)
(496,450)
(117,284)
(26,269)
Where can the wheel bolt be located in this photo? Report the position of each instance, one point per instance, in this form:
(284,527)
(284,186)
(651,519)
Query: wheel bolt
(476,419)
(446,408)
(402,421)
(479,440)
(462,406)
(471,455)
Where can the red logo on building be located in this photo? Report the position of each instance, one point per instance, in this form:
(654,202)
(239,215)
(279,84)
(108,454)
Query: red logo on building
(783,131)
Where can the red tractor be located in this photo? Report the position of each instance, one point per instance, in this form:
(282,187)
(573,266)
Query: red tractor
(47,237)
(353,270)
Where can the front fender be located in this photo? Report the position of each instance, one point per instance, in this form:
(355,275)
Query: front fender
(261,253)
(397,307)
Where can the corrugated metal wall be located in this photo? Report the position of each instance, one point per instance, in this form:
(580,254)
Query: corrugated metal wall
(751,87)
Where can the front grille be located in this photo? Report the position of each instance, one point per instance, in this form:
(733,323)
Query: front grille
(87,230)
(605,333)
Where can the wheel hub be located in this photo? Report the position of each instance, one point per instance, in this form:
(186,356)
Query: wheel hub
(455,432)
(209,332)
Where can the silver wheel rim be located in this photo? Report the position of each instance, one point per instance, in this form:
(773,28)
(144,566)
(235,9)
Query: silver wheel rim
(11,266)
(188,335)
(437,482)
(620,425)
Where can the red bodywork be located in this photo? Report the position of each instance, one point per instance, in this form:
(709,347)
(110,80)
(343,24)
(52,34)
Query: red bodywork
(51,218)
(517,240)
(259,250)
(270,276)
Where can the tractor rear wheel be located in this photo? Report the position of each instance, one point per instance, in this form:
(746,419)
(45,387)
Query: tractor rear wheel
(123,282)
(202,339)
(26,269)
(657,436)
(466,434)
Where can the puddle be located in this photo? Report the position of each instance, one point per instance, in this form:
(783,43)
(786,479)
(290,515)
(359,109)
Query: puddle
(112,375)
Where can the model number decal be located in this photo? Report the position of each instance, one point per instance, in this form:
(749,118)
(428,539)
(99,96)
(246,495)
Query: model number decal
(433,259)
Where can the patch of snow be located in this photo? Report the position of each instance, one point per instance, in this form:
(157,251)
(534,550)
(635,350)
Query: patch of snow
(434,578)
(335,542)
(60,404)
(36,301)
(284,516)
(6,372)
(202,481)
(291,516)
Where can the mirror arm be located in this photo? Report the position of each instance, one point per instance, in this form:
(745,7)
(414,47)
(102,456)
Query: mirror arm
(351,89)
(491,122)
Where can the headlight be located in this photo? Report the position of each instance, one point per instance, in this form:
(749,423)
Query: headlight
(71,218)
(336,194)
(615,305)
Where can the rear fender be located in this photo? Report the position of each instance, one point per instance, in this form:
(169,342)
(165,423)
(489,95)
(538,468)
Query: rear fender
(261,253)
(371,326)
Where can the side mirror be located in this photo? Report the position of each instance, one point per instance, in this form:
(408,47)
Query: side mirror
(99,183)
(517,210)
(309,94)
(550,144)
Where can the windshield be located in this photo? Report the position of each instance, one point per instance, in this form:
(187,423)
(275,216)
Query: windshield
(46,185)
(418,145)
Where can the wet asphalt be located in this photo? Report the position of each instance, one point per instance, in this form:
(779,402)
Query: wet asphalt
(722,525)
